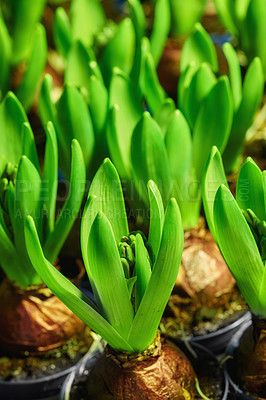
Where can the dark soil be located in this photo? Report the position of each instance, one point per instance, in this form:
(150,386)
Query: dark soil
(33,367)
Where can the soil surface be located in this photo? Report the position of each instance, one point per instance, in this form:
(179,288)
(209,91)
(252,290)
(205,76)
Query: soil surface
(29,367)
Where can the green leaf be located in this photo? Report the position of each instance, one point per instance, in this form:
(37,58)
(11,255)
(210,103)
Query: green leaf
(161,283)
(77,72)
(106,187)
(47,110)
(178,145)
(153,90)
(68,293)
(27,202)
(87,19)
(149,158)
(109,283)
(119,52)
(50,181)
(235,73)
(249,189)
(225,10)
(200,85)
(126,110)
(12,116)
(160,29)
(62,31)
(75,123)
(213,177)
(34,69)
(25,19)
(198,48)
(252,95)
(98,101)
(5,58)
(143,270)
(10,263)
(156,218)
(213,124)
(138,18)
(29,147)
(70,210)
(164,113)
(185,15)
(238,246)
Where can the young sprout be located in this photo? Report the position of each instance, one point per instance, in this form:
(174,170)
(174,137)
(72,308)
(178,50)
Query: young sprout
(23,40)
(238,226)
(25,192)
(246,22)
(131,276)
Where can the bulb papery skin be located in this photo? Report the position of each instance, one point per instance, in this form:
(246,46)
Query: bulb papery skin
(203,273)
(34,320)
(164,374)
(252,359)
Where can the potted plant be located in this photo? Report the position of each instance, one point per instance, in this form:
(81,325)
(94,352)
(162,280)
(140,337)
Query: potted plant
(33,321)
(23,49)
(132,277)
(238,226)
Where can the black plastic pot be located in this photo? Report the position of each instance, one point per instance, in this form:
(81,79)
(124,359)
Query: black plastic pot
(46,388)
(230,366)
(79,375)
(218,340)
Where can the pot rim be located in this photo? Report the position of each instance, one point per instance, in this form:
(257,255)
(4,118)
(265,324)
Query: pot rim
(230,350)
(245,318)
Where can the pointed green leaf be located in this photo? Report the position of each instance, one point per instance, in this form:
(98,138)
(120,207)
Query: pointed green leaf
(34,69)
(235,73)
(25,20)
(213,177)
(77,72)
(161,283)
(213,124)
(27,202)
(142,269)
(119,52)
(87,19)
(68,293)
(156,218)
(98,101)
(29,147)
(198,48)
(62,31)
(5,58)
(70,210)
(50,181)
(238,246)
(12,116)
(46,106)
(160,29)
(109,199)
(252,95)
(123,95)
(138,18)
(185,15)
(199,87)
(75,123)
(164,113)
(178,145)
(109,283)
(249,189)
(149,158)
(153,90)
